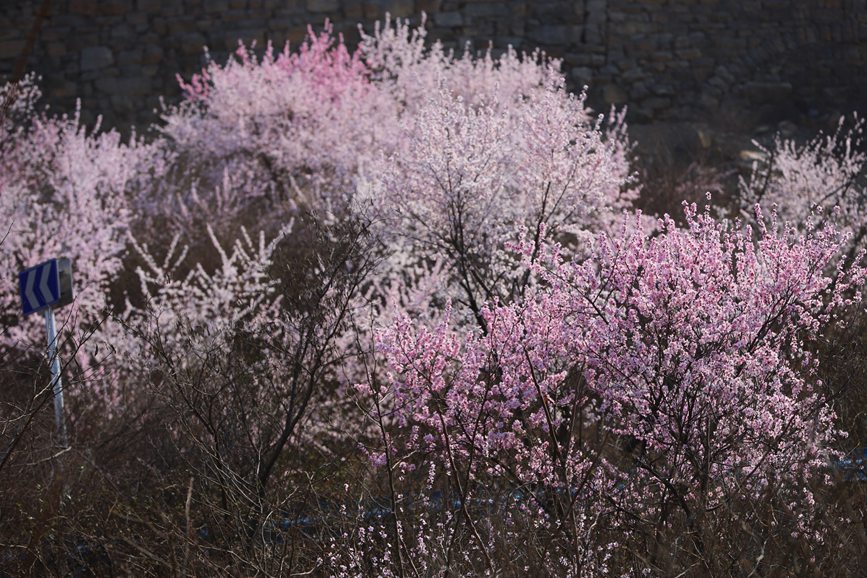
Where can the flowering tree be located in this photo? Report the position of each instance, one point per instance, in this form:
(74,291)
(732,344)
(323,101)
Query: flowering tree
(63,192)
(283,131)
(824,174)
(305,122)
(823,180)
(654,387)
(471,175)
(486,145)
(243,361)
(400,58)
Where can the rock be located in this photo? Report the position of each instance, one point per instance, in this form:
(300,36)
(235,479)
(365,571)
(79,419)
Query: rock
(11,49)
(581,75)
(100,7)
(194,43)
(83,6)
(400,8)
(448,19)
(688,54)
(613,94)
(129,57)
(55,49)
(593,34)
(555,34)
(323,5)
(149,5)
(638,91)
(121,32)
(663,90)
(787,128)
(484,9)
(114,7)
(767,91)
(216,6)
(428,6)
(634,75)
(133,86)
(96,57)
(106,84)
(656,103)
(152,54)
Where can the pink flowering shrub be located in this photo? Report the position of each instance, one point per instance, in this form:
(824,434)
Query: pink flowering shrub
(825,174)
(241,360)
(411,69)
(469,177)
(189,309)
(288,129)
(654,385)
(64,191)
(485,146)
(299,126)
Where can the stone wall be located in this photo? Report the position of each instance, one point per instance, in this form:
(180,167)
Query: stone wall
(668,59)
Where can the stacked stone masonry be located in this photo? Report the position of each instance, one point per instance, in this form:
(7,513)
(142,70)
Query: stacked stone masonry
(666,59)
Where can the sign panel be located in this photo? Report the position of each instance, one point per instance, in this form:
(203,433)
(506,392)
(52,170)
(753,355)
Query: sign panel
(45,285)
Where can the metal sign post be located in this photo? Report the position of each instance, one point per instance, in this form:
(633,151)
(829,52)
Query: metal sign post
(44,288)
(56,384)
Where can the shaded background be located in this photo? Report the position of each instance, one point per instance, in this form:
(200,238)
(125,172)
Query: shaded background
(721,61)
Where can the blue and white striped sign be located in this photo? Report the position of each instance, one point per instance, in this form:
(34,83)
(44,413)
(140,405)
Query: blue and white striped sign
(39,286)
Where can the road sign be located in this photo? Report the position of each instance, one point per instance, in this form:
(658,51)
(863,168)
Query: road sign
(44,288)
(48,284)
